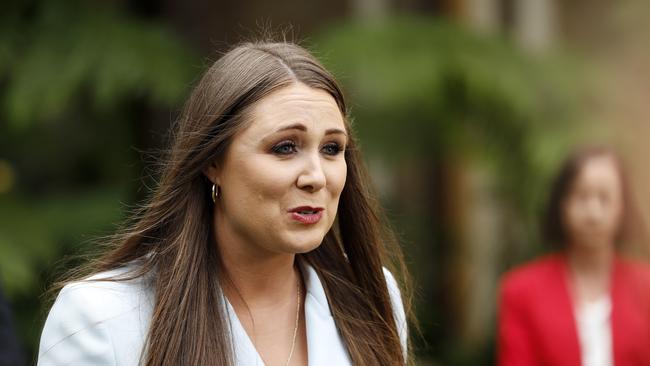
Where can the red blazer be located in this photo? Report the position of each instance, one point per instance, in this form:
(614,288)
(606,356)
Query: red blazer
(536,318)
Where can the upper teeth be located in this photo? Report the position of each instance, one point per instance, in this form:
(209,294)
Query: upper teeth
(307,212)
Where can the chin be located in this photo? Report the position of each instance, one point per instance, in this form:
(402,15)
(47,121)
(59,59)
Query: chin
(306,248)
(303,244)
(595,241)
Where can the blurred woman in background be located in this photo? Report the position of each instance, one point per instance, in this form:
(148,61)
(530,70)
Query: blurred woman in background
(261,245)
(585,304)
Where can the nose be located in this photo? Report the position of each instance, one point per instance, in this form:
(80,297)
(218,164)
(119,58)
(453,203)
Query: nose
(595,211)
(312,177)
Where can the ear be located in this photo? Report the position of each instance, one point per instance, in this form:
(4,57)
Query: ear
(212,172)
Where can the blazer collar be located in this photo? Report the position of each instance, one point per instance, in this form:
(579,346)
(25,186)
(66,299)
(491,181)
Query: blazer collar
(315,289)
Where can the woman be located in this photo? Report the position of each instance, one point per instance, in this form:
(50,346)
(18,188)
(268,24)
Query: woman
(261,245)
(585,304)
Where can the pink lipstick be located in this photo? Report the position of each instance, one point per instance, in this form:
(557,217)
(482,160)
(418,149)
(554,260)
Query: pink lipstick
(306,214)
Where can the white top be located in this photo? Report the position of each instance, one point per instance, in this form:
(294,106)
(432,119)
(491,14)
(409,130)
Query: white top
(106,323)
(595,332)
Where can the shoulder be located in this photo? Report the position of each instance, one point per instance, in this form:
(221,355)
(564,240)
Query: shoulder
(633,274)
(532,275)
(103,295)
(395,294)
(398,308)
(634,266)
(78,325)
(393,287)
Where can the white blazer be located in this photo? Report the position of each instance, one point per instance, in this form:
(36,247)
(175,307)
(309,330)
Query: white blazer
(106,323)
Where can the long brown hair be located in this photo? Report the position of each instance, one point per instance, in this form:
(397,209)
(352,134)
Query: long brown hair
(631,230)
(172,237)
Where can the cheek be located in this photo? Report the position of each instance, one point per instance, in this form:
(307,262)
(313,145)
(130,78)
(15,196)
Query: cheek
(336,178)
(574,214)
(268,181)
(615,214)
(257,184)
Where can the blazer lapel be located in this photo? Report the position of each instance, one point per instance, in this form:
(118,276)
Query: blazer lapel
(619,311)
(243,349)
(324,343)
(561,320)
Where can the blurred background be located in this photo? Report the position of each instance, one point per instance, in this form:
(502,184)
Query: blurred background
(464,109)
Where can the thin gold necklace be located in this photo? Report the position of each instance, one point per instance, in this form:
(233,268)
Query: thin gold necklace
(295,329)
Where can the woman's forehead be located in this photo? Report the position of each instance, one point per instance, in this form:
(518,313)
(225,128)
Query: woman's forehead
(297,103)
(601,171)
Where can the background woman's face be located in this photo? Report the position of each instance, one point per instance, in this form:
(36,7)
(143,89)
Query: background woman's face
(593,208)
(282,176)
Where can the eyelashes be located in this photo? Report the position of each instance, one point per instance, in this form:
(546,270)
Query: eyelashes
(285,148)
(332,148)
(289,147)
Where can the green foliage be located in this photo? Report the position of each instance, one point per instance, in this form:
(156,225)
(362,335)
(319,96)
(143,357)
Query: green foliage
(73,53)
(36,233)
(434,78)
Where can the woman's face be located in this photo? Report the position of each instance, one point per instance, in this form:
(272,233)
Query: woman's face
(282,176)
(593,208)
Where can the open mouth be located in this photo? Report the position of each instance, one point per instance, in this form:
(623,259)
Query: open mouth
(306,214)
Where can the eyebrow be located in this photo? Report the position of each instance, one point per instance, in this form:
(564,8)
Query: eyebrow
(301,127)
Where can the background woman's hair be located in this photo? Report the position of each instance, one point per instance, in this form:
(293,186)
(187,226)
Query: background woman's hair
(631,229)
(172,237)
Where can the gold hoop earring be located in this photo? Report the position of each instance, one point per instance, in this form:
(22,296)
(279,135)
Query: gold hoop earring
(215,193)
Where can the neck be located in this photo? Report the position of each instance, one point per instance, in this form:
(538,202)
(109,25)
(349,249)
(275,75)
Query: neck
(254,276)
(590,259)
(260,282)
(590,268)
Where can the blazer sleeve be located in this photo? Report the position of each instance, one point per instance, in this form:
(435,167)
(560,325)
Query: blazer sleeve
(398,310)
(515,346)
(75,332)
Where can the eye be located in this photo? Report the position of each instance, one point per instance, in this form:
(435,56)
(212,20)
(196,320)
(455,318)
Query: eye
(284,148)
(332,148)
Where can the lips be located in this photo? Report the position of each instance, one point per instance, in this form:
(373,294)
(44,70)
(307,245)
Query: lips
(306,214)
